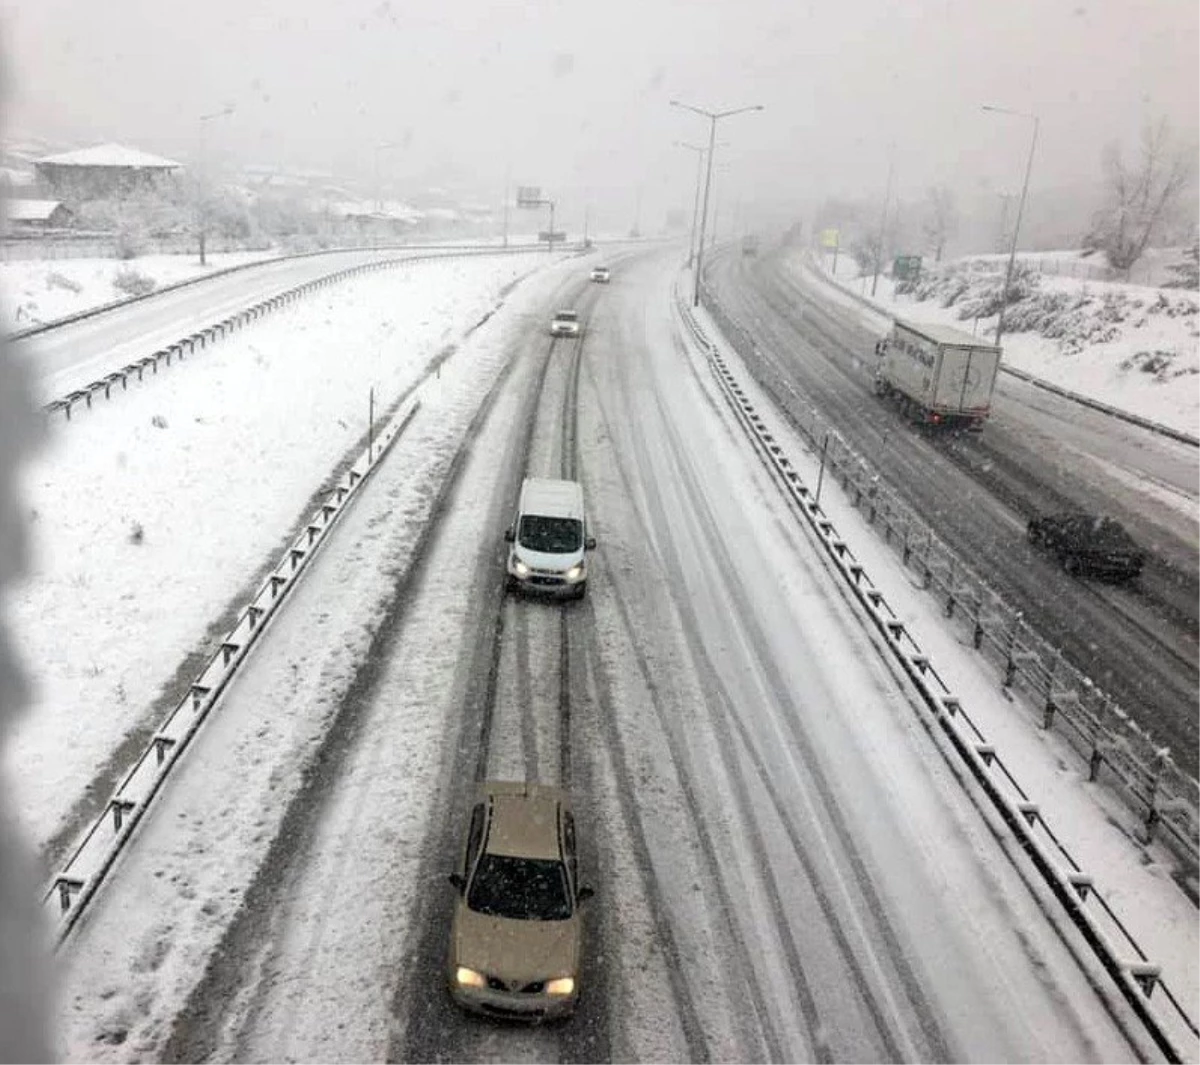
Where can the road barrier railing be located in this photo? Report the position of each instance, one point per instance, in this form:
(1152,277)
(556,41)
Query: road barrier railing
(1038,382)
(104,387)
(1114,746)
(76,883)
(1139,981)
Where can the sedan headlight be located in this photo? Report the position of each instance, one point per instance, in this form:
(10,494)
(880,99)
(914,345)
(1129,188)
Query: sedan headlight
(465,977)
(520,569)
(575,572)
(563,985)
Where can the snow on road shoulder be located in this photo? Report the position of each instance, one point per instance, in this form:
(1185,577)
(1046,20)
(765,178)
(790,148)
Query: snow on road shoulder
(154,515)
(132,968)
(42,290)
(1131,347)
(1137,880)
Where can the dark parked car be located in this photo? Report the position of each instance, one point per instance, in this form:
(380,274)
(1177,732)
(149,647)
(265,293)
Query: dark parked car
(1087,544)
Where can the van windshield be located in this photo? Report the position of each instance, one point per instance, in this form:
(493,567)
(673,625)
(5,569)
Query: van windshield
(555,536)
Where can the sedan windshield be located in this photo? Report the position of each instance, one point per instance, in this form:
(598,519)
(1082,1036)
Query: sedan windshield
(555,536)
(523,889)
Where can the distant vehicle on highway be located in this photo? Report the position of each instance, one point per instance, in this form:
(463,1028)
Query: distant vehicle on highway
(601,273)
(940,376)
(565,324)
(549,539)
(1088,545)
(749,244)
(515,937)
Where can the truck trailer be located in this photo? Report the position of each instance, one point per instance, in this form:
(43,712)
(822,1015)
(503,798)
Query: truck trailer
(939,375)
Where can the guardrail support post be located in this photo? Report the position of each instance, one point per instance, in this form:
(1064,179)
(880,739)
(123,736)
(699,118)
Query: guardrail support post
(1010,664)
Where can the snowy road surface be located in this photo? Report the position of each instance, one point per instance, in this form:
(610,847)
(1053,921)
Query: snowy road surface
(785,867)
(155,517)
(73,355)
(1039,453)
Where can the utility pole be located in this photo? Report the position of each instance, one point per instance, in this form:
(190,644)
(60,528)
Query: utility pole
(507,193)
(202,206)
(883,223)
(1012,255)
(699,150)
(713,117)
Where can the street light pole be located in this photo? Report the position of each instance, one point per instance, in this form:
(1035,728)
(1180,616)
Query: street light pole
(887,195)
(1012,254)
(699,150)
(203,181)
(712,117)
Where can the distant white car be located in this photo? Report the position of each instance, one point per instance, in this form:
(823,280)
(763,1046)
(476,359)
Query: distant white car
(565,324)
(601,273)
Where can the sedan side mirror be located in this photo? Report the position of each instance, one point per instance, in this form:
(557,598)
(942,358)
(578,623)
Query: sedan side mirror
(458,880)
(584,893)
(590,543)
(510,535)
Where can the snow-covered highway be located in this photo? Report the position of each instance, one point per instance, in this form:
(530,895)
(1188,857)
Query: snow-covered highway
(1039,454)
(785,865)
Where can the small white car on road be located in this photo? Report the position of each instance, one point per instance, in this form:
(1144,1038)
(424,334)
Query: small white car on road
(601,273)
(565,324)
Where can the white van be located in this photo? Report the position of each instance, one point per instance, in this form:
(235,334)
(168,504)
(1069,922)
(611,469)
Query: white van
(549,539)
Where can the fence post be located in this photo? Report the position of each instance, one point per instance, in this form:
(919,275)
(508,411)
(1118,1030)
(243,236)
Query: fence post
(1153,817)
(1010,665)
(821,471)
(1050,707)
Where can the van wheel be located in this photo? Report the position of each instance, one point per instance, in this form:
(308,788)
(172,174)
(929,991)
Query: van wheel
(581,590)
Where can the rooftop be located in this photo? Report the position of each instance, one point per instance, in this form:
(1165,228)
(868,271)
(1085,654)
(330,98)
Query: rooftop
(111,155)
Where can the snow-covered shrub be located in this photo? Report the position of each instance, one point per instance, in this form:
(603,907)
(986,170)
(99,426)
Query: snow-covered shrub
(57,280)
(133,283)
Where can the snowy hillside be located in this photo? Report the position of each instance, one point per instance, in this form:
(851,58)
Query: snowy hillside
(1133,347)
(41,290)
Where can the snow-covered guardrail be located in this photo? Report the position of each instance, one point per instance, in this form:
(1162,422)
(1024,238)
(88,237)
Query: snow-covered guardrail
(1065,393)
(125,301)
(1160,793)
(76,883)
(119,380)
(1135,975)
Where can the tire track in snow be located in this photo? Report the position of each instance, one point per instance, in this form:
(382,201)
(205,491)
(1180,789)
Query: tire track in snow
(436,1030)
(686,1008)
(196,1031)
(892,1033)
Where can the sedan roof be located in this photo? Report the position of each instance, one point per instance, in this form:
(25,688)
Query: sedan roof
(524,820)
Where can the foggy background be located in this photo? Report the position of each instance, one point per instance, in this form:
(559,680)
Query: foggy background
(573,96)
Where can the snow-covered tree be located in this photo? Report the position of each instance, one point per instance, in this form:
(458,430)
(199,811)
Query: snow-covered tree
(1187,272)
(1140,197)
(941,219)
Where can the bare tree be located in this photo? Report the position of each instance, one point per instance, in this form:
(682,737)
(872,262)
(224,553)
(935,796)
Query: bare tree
(1140,197)
(941,219)
(867,252)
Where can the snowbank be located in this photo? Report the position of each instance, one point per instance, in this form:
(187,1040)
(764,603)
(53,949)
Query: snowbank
(1133,347)
(42,290)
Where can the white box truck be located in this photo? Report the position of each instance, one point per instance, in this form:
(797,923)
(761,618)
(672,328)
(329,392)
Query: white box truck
(938,374)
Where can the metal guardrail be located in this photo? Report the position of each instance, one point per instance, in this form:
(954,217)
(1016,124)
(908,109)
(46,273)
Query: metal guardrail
(210,334)
(1163,796)
(125,301)
(1046,386)
(75,885)
(1136,977)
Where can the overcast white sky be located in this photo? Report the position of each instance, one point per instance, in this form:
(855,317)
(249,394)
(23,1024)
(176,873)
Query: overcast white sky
(573,95)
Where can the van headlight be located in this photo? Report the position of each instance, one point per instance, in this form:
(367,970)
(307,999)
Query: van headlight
(561,986)
(519,568)
(575,573)
(465,977)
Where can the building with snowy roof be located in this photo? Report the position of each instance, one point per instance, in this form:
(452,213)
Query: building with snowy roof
(25,216)
(103,171)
